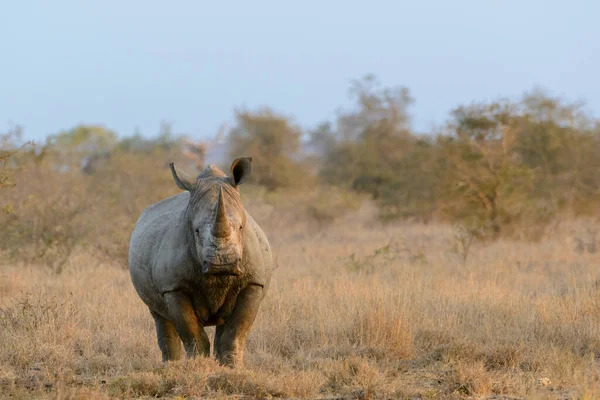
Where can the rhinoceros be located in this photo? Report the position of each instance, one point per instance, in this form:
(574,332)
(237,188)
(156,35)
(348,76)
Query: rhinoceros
(199,259)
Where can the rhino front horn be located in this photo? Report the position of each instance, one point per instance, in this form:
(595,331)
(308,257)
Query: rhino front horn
(221,228)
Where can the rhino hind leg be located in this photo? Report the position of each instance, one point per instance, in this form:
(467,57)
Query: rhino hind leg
(182,315)
(232,336)
(168,339)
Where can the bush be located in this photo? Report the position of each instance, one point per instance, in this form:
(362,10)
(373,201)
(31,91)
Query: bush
(274,144)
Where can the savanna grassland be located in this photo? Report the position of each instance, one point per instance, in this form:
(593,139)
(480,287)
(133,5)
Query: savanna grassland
(459,264)
(356,310)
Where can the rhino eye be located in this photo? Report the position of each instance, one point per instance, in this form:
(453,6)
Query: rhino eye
(197,231)
(241,227)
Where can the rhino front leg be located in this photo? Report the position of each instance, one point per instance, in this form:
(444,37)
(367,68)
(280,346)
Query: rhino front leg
(234,332)
(168,339)
(217,342)
(182,314)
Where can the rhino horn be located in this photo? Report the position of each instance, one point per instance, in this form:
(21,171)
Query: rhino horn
(221,228)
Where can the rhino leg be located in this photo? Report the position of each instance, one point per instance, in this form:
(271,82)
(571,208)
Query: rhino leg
(168,339)
(234,332)
(192,334)
(218,333)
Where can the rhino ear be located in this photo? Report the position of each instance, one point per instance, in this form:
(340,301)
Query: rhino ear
(183,184)
(240,170)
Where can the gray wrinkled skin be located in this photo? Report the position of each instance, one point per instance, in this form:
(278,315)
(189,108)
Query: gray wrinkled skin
(198,259)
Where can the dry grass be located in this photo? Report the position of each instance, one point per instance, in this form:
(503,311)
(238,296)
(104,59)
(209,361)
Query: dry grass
(355,310)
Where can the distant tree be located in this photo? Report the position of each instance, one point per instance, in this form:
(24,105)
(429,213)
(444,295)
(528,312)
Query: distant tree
(560,142)
(8,148)
(485,179)
(511,163)
(5,152)
(274,144)
(374,105)
(375,152)
(84,139)
(166,139)
(136,143)
(368,137)
(81,147)
(322,140)
(164,142)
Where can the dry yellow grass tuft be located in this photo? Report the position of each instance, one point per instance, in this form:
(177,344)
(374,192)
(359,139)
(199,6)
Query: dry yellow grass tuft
(354,311)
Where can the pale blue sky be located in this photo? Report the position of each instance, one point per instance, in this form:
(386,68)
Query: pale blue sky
(133,63)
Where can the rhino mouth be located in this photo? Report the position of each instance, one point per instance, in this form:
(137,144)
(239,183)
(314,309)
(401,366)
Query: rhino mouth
(229,269)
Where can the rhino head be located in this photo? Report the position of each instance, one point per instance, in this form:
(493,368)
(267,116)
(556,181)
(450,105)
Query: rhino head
(216,218)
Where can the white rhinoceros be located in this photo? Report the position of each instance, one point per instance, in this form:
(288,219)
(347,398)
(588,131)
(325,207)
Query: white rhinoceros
(198,259)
